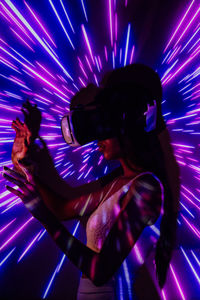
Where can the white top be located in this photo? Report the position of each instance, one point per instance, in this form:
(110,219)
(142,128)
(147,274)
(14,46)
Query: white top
(103,218)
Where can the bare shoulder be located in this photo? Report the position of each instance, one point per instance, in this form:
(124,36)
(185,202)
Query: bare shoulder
(146,193)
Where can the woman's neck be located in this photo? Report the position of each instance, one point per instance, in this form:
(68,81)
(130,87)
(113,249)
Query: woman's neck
(130,169)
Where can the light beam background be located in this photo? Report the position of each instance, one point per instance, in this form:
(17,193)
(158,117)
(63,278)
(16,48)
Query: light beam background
(48,51)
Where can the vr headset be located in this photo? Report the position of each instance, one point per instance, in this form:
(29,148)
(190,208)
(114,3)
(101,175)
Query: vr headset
(104,118)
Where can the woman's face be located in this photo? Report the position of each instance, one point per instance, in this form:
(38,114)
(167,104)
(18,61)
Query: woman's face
(110,148)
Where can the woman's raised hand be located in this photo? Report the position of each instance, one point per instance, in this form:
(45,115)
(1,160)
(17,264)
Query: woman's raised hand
(21,143)
(26,133)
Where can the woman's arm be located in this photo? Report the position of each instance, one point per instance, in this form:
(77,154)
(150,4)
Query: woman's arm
(63,200)
(129,224)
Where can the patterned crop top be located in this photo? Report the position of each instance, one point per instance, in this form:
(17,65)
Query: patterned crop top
(147,193)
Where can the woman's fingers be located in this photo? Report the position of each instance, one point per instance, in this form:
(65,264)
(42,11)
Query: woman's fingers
(14,191)
(14,181)
(13,173)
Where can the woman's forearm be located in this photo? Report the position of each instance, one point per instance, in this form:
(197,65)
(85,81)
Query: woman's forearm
(80,255)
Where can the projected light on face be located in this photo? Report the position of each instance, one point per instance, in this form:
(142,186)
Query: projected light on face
(49,65)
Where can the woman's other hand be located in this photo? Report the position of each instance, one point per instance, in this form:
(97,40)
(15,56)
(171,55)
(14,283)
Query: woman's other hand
(27,190)
(32,118)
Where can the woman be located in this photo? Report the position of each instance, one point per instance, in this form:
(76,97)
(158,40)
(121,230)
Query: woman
(116,211)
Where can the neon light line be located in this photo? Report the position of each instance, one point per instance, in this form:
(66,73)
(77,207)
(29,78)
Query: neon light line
(6,226)
(84,10)
(191,266)
(87,42)
(67,16)
(25,43)
(7,256)
(197,260)
(16,11)
(14,235)
(179,25)
(57,269)
(111,25)
(116,26)
(127,43)
(183,65)
(190,40)
(39,22)
(177,283)
(106,53)
(61,23)
(132,54)
(29,246)
(187,26)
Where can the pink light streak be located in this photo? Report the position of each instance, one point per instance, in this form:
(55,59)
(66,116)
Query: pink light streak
(6,226)
(192,227)
(189,24)
(17,23)
(111,25)
(106,53)
(16,233)
(116,26)
(173,54)
(45,70)
(40,24)
(190,40)
(177,282)
(170,77)
(99,60)
(29,246)
(23,20)
(22,39)
(179,25)
(87,42)
(132,54)
(82,82)
(89,65)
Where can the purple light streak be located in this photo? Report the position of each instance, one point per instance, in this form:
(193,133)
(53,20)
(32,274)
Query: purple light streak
(111,22)
(6,226)
(87,42)
(187,27)
(7,256)
(84,10)
(191,266)
(61,23)
(192,227)
(29,246)
(16,233)
(14,9)
(132,54)
(127,44)
(67,16)
(177,283)
(58,267)
(40,24)
(179,25)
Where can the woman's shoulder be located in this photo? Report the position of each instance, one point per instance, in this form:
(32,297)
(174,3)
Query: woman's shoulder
(147,194)
(149,181)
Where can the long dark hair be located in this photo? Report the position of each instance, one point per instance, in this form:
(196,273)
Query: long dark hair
(133,87)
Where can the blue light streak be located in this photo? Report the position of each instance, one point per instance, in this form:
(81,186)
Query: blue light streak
(67,16)
(127,44)
(61,23)
(15,10)
(58,267)
(7,256)
(191,266)
(84,10)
